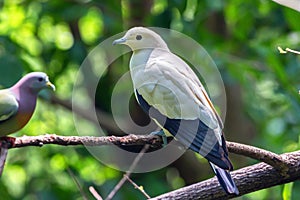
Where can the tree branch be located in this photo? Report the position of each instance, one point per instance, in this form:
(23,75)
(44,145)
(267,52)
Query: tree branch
(279,169)
(41,140)
(273,159)
(268,157)
(247,179)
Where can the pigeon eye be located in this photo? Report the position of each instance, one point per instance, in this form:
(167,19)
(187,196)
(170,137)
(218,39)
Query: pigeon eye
(40,79)
(138,37)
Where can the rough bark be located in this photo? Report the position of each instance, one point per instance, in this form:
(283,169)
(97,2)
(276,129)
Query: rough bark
(247,179)
(274,170)
(41,140)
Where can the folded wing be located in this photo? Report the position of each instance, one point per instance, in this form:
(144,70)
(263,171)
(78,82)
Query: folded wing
(8,105)
(194,134)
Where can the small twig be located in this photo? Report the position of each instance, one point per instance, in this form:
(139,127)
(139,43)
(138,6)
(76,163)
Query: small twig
(131,168)
(77,184)
(116,189)
(137,159)
(95,193)
(292,51)
(140,188)
(287,50)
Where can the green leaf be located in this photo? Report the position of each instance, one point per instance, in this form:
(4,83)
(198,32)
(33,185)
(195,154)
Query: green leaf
(287,191)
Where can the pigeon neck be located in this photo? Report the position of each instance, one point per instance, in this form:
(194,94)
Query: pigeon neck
(140,58)
(26,98)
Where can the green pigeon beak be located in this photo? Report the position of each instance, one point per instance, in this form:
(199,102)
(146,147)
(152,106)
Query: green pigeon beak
(119,41)
(50,86)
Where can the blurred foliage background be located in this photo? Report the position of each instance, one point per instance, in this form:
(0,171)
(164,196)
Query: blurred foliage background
(55,36)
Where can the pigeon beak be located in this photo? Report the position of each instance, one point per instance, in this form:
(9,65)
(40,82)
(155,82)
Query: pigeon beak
(50,85)
(119,41)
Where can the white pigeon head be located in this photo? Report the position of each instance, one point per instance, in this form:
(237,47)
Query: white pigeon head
(141,38)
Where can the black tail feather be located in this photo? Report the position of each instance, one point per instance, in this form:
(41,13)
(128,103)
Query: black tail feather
(225,180)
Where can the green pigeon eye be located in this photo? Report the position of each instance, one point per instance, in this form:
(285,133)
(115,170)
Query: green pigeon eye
(40,79)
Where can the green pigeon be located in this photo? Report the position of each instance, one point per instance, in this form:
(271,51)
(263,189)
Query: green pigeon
(17,105)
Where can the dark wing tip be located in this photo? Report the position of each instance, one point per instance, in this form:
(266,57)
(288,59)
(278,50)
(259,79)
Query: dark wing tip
(220,160)
(227,162)
(216,153)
